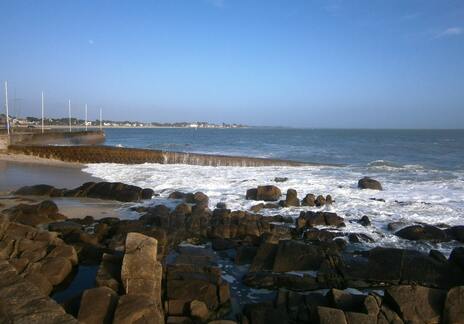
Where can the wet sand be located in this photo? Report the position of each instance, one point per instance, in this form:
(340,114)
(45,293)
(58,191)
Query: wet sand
(24,170)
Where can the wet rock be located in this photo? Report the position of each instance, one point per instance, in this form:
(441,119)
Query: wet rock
(454,306)
(219,244)
(221,205)
(266,193)
(309,200)
(97,306)
(422,233)
(320,201)
(395,226)
(257,208)
(280,179)
(359,238)
(328,200)
(292,198)
(365,221)
(392,266)
(368,183)
(37,190)
(252,194)
(322,235)
(157,215)
(417,304)
(146,193)
(311,219)
(264,259)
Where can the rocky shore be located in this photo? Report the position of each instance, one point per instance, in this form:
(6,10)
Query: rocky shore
(186,262)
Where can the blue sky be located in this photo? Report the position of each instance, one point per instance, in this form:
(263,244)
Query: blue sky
(302,63)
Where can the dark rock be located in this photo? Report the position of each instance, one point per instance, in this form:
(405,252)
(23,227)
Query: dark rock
(368,183)
(320,201)
(280,179)
(328,200)
(39,190)
(457,233)
(423,233)
(158,215)
(311,219)
(395,226)
(252,194)
(296,256)
(219,244)
(176,195)
(417,304)
(245,254)
(292,198)
(309,200)
(257,208)
(437,255)
(64,227)
(265,313)
(33,215)
(457,257)
(268,193)
(221,205)
(264,259)
(365,221)
(146,193)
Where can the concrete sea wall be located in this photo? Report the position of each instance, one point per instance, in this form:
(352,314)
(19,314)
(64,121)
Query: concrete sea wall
(107,154)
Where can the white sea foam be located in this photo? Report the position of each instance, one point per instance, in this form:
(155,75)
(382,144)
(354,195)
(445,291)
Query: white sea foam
(411,193)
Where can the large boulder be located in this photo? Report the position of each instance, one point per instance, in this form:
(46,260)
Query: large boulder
(296,256)
(417,304)
(368,183)
(97,306)
(454,306)
(422,233)
(292,198)
(141,272)
(309,200)
(266,193)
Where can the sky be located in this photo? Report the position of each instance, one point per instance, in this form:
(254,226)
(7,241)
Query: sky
(297,63)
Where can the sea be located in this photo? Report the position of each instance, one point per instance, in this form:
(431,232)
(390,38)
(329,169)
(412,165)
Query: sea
(421,171)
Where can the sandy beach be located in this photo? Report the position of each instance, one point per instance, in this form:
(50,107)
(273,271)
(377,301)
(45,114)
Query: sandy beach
(23,170)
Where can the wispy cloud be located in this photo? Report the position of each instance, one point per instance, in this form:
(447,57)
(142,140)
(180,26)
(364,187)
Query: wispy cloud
(217,3)
(450,32)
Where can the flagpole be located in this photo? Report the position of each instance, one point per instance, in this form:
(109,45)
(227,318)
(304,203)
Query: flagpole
(6,107)
(85,117)
(42,112)
(69,112)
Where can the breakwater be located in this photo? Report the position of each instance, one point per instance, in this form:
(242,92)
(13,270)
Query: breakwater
(107,154)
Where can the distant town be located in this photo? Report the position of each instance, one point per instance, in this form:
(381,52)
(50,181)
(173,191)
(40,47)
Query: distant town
(33,122)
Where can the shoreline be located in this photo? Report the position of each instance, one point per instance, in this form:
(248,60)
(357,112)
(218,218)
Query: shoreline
(17,170)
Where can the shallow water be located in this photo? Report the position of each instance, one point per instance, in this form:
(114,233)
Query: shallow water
(422,172)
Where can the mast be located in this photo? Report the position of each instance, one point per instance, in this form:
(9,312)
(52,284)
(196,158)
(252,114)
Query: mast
(100,119)
(69,114)
(85,117)
(42,112)
(6,107)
